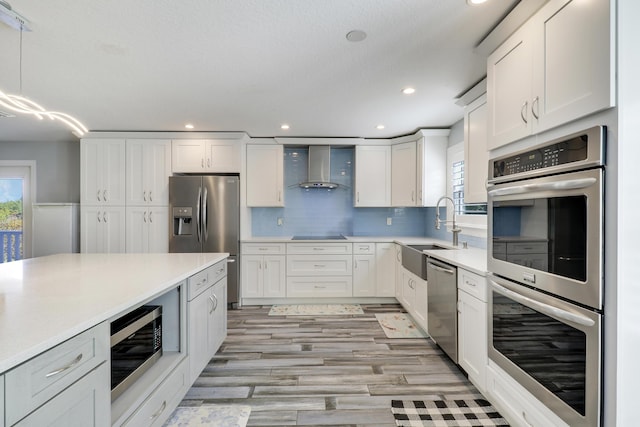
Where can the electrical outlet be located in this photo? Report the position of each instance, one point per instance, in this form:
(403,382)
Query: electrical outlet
(389,221)
(280,222)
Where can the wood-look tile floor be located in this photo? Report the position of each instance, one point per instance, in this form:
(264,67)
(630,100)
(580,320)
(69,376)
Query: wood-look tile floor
(323,370)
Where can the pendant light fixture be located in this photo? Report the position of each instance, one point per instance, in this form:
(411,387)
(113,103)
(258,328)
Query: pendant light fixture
(18,103)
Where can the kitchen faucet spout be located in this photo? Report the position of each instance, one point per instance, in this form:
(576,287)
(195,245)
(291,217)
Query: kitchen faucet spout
(455,230)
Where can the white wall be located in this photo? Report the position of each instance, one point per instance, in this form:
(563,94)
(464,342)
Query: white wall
(57,166)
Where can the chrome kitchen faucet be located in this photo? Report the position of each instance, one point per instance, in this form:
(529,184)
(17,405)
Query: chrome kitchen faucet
(439,221)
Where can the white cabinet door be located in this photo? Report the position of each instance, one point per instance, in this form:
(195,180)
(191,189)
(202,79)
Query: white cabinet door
(399,272)
(420,311)
(1,400)
(476,153)
(158,237)
(146,229)
(574,61)
(372,176)
(364,275)
(86,403)
(199,334)
(431,169)
(385,269)
(251,276)
(408,291)
(102,171)
(472,338)
(222,156)
(265,175)
(274,278)
(559,66)
(148,171)
(218,316)
(188,156)
(403,174)
(263,276)
(103,229)
(509,76)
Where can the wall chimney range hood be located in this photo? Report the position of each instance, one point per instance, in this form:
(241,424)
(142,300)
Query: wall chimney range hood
(319,173)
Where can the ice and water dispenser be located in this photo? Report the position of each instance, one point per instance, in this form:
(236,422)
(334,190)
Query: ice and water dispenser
(183,223)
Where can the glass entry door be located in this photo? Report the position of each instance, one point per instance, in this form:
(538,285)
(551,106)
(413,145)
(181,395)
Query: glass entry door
(11,219)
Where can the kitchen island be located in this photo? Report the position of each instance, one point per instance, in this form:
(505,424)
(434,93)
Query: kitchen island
(50,302)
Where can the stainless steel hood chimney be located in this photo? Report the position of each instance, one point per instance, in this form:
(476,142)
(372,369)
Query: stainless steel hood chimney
(319,174)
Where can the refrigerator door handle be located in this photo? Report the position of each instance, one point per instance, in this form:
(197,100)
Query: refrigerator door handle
(205,224)
(198,213)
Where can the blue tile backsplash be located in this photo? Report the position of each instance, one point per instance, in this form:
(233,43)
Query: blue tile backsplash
(322,212)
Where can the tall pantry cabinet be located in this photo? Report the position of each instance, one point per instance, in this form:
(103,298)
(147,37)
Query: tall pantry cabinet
(124,195)
(102,195)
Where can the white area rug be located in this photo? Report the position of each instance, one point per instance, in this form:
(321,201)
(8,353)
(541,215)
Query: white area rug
(399,325)
(210,416)
(315,309)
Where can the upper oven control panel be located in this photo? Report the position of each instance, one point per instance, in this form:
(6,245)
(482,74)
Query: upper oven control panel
(575,151)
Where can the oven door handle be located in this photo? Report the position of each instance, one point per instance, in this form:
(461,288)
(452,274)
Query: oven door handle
(545,308)
(569,184)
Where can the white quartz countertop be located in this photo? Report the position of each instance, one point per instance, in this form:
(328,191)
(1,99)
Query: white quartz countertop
(472,259)
(45,301)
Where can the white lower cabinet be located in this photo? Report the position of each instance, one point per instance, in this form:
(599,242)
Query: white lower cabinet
(157,408)
(364,275)
(1,400)
(414,297)
(516,404)
(86,403)
(320,286)
(399,272)
(51,374)
(472,326)
(207,319)
(385,269)
(263,267)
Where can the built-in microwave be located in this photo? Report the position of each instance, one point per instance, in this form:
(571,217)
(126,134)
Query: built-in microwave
(136,344)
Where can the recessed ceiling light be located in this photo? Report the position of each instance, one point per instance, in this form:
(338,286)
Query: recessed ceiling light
(189,126)
(284,126)
(474,2)
(356,35)
(408,90)
(380,127)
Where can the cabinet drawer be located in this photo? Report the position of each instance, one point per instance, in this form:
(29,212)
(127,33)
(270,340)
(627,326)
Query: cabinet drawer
(163,400)
(527,248)
(313,265)
(343,248)
(205,278)
(319,286)
(263,248)
(473,284)
(41,378)
(364,248)
(516,404)
(85,404)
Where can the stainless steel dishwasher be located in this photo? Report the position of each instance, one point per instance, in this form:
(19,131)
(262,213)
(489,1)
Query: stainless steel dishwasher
(442,303)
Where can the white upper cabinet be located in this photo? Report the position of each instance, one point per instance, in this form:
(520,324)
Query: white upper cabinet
(558,67)
(403,174)
(148,170)
(102,171)
(373,176)
(265,175)
(476,154)
(418,169)
(200,155)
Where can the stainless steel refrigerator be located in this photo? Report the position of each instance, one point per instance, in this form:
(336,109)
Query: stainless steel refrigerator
(205,217)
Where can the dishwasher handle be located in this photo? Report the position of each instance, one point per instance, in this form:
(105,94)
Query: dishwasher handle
(441,269)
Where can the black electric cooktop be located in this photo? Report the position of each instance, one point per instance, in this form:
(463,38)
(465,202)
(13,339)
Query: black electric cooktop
(336,237)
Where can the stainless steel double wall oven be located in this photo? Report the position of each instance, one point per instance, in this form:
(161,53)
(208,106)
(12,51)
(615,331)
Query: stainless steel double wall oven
(545,219)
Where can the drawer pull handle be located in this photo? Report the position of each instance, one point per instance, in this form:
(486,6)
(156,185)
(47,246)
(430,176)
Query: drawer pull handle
(73,363)
(318,249)
(469,283)
(220,271)
(159,411)
(319,265)
(319,287)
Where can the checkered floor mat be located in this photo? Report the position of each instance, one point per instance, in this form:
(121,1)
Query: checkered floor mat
(446,413)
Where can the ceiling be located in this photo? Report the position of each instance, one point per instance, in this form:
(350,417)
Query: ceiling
(245,65)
